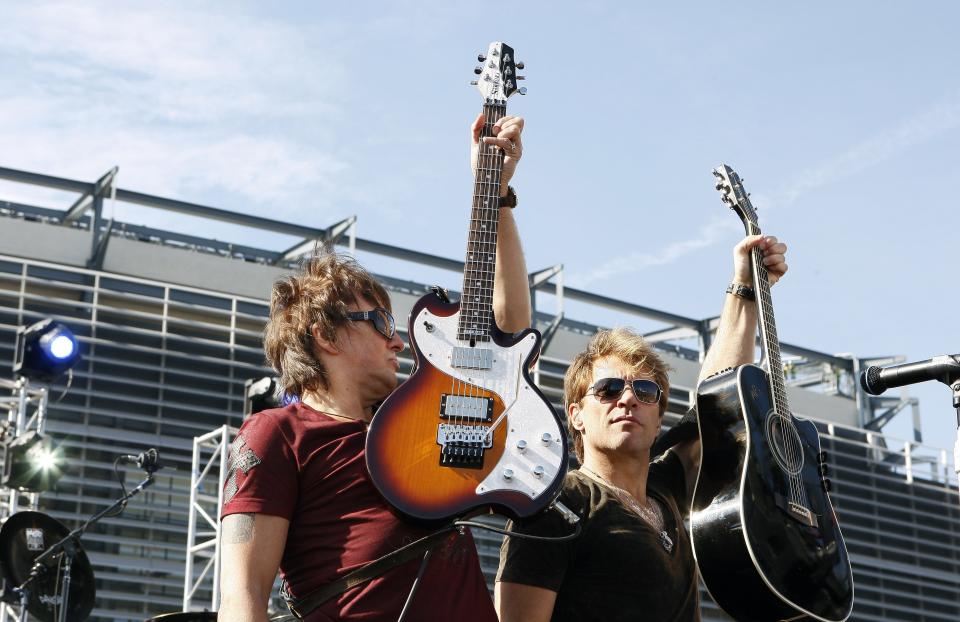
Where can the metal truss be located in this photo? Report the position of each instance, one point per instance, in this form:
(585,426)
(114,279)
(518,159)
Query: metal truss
(18,421)
(210,455)
(830,373)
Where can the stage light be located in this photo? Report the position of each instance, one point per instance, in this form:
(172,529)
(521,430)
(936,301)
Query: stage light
(45,350)
(32,463)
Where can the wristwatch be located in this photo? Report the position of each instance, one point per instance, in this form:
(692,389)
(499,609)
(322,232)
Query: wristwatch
(743,291)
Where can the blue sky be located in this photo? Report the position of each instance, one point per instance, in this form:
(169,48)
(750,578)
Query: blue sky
(843,119)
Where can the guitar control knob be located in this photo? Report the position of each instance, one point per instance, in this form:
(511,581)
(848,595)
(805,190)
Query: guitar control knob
(546,438)
(521,445)
(538,471)
(429,327)
(508,474)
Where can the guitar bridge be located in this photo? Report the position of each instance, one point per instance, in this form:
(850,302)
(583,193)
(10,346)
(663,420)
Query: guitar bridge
(797,512)
(462,446)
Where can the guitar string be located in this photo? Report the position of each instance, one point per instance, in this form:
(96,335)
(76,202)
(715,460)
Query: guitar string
(475,312)
(781,411)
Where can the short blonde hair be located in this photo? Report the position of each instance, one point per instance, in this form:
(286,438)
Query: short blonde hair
(320,293)
(618,343)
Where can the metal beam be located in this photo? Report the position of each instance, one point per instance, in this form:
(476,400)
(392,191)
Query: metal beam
(213,213)
(100,251)
(47,181)
(332,235)
(81,205)
(670,334)
(550,331)
(878,422)
(540,277)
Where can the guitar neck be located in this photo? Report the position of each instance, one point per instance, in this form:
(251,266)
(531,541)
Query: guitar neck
(476,303)
(769,340)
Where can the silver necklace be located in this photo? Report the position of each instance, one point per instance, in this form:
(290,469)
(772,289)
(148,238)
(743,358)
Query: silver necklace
(653,515)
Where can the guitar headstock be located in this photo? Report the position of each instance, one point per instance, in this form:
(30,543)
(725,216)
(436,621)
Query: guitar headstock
(735,197)
(497,73)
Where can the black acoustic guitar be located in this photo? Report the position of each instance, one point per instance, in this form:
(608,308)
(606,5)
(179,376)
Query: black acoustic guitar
(764,532)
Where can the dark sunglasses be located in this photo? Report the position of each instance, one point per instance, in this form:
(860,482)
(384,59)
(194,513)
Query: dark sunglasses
(381,318)
(647,391)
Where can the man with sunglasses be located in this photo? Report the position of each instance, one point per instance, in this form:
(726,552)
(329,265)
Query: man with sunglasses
(633,559)
(298,496)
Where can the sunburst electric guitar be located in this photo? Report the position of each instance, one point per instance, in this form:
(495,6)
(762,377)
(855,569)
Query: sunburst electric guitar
(469,429)
(764,532)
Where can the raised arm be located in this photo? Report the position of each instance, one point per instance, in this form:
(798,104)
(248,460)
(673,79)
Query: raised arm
(735,343)
(511,289)
(251,546)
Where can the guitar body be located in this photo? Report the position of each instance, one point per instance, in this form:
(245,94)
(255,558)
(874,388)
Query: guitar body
(469,428)
(762,554)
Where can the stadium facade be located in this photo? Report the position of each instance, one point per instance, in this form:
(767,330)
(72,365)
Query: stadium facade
(170,329)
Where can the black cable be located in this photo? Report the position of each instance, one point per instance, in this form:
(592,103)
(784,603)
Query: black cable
(416,584)
(517,534)
(123,488)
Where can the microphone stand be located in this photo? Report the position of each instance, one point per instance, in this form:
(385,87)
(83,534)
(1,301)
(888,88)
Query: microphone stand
(69,546)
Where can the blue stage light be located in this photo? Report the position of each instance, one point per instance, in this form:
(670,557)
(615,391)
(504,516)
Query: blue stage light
(62,347)
(45,350)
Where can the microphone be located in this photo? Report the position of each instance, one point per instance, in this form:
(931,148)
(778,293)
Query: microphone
(945,368)
(149,460)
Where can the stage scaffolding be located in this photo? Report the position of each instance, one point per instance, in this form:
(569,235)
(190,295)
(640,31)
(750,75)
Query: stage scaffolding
(167,351)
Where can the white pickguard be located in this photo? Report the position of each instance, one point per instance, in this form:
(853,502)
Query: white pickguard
(527,419)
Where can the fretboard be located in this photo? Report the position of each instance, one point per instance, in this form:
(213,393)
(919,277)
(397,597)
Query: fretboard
(768,327)
(476,303)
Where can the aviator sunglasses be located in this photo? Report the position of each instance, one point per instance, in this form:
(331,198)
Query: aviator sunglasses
(647,391)
(381,318)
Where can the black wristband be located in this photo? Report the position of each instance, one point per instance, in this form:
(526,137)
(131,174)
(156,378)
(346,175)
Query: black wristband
(510,200)
(743,291)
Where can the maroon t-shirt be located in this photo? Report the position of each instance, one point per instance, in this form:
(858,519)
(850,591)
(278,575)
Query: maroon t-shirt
(309,468)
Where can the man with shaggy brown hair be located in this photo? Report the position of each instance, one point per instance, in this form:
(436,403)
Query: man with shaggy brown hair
(633,559)
(299,497)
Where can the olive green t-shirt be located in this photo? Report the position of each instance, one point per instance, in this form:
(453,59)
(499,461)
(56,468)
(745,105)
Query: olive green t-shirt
(617,569)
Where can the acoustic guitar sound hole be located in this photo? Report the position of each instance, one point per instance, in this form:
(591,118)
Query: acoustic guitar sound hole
(784,442)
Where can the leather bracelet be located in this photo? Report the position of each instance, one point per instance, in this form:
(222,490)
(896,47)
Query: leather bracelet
(742,291)
(510,200)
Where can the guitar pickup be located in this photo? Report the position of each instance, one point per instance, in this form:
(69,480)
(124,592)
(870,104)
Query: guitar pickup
(471,358)
(465,407)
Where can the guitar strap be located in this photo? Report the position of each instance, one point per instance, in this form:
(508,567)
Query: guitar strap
(305,606)
(685,430)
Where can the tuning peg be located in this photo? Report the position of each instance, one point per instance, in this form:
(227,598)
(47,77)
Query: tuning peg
(726,199)
(520,65)
(523,90)
(716,174)
(719,186)
(473,83)
(481,57)
(521,77)
(478,70)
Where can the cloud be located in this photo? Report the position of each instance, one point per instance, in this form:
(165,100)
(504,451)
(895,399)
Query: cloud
(940,117)
(187,102)
(713,231)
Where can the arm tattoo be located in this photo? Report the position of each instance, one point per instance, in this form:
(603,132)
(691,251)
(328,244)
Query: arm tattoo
(240,530)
